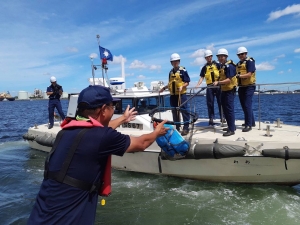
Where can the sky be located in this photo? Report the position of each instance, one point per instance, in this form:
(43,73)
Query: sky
(42,38)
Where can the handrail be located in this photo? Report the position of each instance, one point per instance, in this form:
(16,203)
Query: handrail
(259,93)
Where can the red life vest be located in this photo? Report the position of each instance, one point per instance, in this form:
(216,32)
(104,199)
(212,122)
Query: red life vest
(105,189)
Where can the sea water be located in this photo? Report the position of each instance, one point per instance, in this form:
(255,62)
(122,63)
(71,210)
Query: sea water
(142,198)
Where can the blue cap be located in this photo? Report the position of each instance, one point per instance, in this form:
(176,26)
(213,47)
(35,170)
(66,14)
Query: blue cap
(95,96)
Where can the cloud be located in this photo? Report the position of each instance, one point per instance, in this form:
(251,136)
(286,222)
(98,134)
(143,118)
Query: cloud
(281,72)
(289,70)
(198,53)
(118,59)
(277,57)
(265,66)
(266,39)
(163,19)
(294,9)
(155,67)
(289,62)
(136,64)
(71,49)
(141,77)
(199,61)
(210,47)
(297,50)
(281,56)
(129,74)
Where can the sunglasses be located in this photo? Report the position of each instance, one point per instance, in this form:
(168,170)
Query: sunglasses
(113,105)
(241,54)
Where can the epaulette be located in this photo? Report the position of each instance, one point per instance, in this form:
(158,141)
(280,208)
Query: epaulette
(250,59)
(230,62)
(182,68)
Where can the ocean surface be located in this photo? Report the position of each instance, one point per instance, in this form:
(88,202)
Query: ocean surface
(141,198)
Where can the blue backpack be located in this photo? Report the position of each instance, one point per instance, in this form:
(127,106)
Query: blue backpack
(172,142)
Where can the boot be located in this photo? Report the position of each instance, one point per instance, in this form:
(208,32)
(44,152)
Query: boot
(228,133)
(246,129)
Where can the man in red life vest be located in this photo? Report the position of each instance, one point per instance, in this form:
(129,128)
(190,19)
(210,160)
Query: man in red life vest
(76,163)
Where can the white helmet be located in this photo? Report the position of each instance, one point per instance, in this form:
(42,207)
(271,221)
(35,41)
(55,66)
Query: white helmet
(241,50)
(222,51)
(52,79)
(174,57)
(207,53)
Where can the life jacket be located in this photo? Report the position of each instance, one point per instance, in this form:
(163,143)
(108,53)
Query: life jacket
(103,187)
(233,80)
(211,73)
(55,90)
(175,81)
(242,69)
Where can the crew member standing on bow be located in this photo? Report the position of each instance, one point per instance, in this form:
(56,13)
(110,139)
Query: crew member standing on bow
(178,81)
(245,70)
(54,91)
(228,83)
(210,71)
(76,163)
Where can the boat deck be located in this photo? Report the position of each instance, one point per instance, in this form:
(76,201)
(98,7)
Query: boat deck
(283,133)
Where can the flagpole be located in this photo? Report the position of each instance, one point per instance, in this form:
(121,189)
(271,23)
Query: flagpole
(103,80)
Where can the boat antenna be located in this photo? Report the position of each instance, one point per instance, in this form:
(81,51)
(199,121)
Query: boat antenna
(92,56)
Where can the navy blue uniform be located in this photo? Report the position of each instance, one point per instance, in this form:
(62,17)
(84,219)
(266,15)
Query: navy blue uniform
(227,98)
(245,95)
(54,102)
(59,203)
(211,93)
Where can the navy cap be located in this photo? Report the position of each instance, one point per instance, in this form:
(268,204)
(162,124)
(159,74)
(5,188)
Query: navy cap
(95,96)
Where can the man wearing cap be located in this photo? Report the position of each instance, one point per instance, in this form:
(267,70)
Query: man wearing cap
(75,166)
(54,91)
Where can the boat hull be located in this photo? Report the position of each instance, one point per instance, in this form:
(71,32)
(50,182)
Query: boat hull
(253,167)
(247,169)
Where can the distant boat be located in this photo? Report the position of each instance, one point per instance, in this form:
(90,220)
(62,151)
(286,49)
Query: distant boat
(11,98)
(7,96)
(1,99)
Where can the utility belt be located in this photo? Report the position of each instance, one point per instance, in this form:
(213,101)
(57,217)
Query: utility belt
(85,186)
(232,90)
(178,94)
(249,85)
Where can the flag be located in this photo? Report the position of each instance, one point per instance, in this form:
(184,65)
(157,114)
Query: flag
(105,54)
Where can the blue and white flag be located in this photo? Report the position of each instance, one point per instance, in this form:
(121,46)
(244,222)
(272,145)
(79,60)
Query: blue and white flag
(105,54)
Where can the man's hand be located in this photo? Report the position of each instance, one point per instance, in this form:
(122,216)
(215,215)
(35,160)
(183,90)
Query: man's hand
(216,83)
(180,89)
(129,115)
(160,130)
